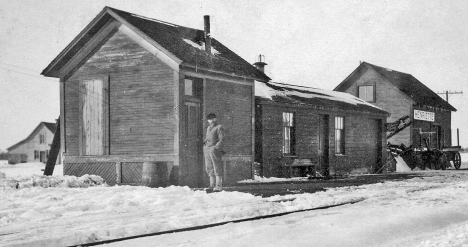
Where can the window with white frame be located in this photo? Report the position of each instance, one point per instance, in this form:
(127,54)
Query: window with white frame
(36,154)
(367,93)
(41,138)
(289,133)
(339,135)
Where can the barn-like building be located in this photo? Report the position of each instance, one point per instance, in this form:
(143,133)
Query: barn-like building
(35,147)
(134,95)
(422,116)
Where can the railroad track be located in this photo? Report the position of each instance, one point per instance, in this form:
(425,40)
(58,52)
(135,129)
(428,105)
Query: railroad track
(218,224)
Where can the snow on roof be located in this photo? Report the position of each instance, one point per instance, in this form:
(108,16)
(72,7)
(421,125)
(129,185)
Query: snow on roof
(264,90)
(202,46)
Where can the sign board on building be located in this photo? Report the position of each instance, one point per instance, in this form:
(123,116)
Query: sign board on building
(424,115)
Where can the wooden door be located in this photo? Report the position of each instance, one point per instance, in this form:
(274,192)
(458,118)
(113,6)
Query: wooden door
(324,147)
(193,161)
(440,137)
(374,145)
(42,156)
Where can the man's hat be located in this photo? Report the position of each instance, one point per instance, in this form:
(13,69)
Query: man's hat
(210,116)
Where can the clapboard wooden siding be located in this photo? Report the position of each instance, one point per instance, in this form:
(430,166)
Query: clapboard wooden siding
(143,121)
(232,103)
(388,99)
(72,116)
(140,98)
(400,94)
(141,117)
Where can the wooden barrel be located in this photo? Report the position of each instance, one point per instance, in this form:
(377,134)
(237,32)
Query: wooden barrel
(154,174)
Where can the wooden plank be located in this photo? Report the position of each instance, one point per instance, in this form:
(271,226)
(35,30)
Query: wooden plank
(178,101)
(54,151)
(132,172)
(122,158)
(105,124)
(74,63)
(118,167)
(106,170)
(62,115)
(93,117)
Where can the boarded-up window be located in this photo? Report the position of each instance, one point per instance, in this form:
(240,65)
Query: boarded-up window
(367,93)
(93,124)
(289,133)
(339,135)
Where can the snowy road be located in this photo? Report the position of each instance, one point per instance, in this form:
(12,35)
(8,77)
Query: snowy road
(427,211)
(423,211)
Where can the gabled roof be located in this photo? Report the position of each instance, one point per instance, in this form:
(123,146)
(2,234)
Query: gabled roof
(181,42)
(308,96)
(406,83)
(49,126)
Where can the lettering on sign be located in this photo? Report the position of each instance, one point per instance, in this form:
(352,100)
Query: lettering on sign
(424,115)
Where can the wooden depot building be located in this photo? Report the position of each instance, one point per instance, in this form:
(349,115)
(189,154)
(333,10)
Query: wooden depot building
(422,115)
(134,94)
(327,132)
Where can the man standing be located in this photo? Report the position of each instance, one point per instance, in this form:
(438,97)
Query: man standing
(213,152)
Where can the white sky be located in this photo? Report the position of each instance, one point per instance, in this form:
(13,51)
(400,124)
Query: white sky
(313,43)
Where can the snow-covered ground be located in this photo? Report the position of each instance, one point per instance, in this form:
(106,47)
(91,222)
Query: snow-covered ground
(426,211)
(27,169)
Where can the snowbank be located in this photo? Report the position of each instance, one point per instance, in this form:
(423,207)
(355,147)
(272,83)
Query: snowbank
(34,216)
(27,169)
(22,182)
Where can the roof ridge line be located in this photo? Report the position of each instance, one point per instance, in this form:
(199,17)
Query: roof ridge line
(388,69)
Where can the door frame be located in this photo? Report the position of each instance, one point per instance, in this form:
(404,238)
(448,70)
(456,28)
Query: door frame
(199,175)
(324,144)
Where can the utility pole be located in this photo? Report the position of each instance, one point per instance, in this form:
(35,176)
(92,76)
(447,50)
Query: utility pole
(449,92)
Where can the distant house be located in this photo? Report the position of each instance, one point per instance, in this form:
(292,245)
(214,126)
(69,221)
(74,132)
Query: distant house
(330,132)
(134,95)
(36,147)
(401,94)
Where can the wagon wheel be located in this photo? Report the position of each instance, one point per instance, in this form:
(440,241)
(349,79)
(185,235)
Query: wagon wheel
(457,160)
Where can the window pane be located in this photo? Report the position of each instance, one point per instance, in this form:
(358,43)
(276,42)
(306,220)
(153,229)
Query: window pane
(286,140)
(188,87)
(370,93)
(288,119)
(366,93)
(362,93)
(339,135)
(288,133)
(338,123)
